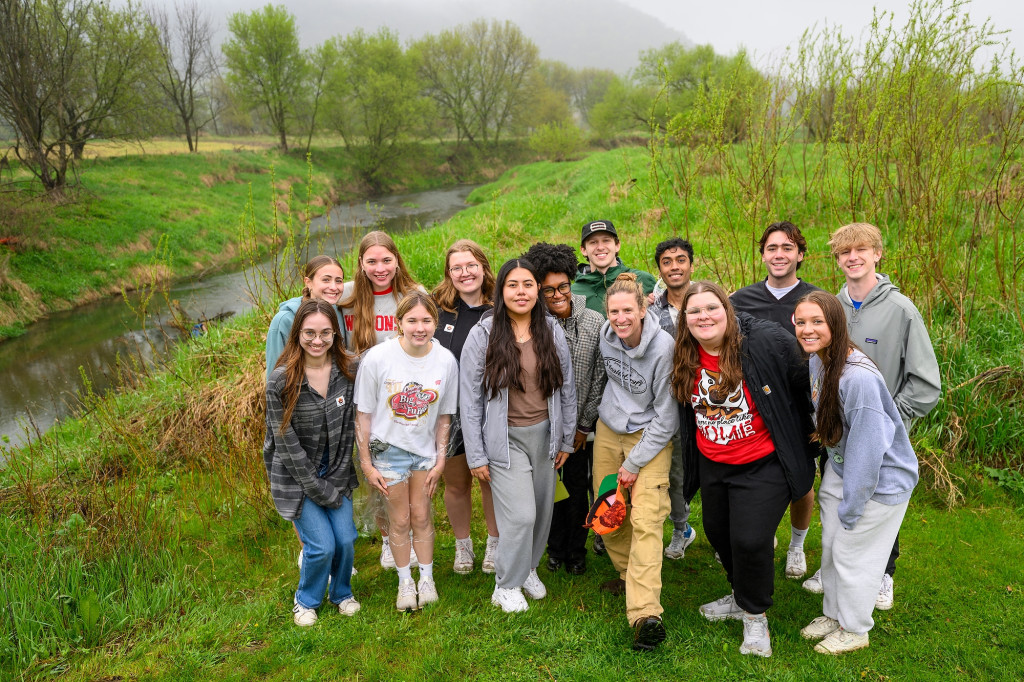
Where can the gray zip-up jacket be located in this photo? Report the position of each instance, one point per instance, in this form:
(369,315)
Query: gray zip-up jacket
(485,420)
(890,331)
(638,394)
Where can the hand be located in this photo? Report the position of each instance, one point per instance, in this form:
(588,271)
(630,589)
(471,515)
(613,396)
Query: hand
(560,459)
(374,478)
(482,473)
(626,478)
(650,298)
(433,476)
(578,441)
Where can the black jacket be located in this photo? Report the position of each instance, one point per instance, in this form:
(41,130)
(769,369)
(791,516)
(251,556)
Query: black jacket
(759,302)
(776,375)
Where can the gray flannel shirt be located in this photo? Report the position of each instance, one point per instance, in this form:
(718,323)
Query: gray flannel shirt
(583,332)
(661,309)
(293,458)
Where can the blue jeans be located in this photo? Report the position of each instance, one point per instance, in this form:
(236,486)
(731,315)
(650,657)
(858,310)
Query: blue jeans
(328,549)
(396,465)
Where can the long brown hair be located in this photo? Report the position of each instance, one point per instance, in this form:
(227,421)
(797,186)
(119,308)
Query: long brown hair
(502,362)
(834,357)
(313,265)
(293,358)
(361,300)
(687,356)
(446,294)
(410,301)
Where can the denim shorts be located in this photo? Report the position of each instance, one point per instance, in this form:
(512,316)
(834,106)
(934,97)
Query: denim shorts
(396,464)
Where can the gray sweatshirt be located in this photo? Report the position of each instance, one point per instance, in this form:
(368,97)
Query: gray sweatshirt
(890,331)
(638,394)
(874,457)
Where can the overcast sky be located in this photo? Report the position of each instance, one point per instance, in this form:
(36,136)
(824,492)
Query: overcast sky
(767,27)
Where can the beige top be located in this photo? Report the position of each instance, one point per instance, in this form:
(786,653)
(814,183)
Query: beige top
(527,407)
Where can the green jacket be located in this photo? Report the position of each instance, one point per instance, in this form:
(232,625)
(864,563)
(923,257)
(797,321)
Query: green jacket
(593,285)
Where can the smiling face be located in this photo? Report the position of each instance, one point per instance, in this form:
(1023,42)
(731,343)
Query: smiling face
(705,318)
(326,283)
(626,317)
(812,331)
(675,268)
(782,256)
(317,326)
(466,273)
(417,327)
(519,292)
(858,262)
(600,249)
(559,302)
(379,266)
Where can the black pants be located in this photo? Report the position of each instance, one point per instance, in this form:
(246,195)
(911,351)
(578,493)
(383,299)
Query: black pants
(890,566)
(567,540)
(741,507)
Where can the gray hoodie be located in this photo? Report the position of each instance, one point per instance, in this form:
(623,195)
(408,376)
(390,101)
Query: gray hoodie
(890,331)
(638,394)
(484,419)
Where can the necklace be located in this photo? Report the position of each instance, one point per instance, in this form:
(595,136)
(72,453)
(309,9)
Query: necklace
(522,338)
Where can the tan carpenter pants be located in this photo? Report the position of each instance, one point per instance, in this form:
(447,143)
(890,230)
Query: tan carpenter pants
(636,548)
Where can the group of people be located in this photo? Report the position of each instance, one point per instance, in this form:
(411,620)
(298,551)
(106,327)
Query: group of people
(553,375)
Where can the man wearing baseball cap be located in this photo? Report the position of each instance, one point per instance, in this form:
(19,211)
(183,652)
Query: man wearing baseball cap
(599,243)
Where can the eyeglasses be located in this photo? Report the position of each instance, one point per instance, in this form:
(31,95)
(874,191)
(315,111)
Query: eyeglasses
(710,309)
(309,335)
(549,292)
(470,268)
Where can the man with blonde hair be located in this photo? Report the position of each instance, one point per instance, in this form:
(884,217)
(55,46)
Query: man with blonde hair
(888,327)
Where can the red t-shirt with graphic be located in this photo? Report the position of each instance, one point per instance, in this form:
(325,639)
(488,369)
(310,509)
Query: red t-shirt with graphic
(729,428)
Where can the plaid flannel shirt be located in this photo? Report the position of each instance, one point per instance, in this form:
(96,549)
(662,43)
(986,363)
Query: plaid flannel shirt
(583,332)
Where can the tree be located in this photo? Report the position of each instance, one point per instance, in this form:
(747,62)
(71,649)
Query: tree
(188,63)
(375,100)
(265,63)
(71,70)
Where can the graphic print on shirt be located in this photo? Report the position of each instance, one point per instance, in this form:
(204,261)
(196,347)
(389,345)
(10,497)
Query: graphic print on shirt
(623,374)
(409,401)
(722,415)
(381,323)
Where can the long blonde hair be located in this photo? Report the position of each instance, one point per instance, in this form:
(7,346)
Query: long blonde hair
(361,300)
(445,293)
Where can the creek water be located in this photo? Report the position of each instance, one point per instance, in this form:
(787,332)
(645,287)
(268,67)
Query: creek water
(42,370)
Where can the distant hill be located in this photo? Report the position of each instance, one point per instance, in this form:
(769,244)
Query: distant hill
(600,33)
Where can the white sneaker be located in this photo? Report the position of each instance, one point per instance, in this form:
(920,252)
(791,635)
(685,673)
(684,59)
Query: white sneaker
(819,628)
(464,557)
(387,559)
(487,565)
(681,539)
(300,558)
(841,641)
(533,587)
(426,592)
(796,564)
(510,599)
(885,595)
(406,600)
(348,607)
(722,609)
(756,639)
(813,584)
(303,617)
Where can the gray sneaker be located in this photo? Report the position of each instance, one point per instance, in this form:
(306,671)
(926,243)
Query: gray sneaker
(756,639)
(841,641)
(487,565)
(681,539)
(722,609)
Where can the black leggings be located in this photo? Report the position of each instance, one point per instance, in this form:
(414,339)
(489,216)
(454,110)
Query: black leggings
(742,505)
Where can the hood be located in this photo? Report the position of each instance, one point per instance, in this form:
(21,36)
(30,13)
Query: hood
(291,305)
(650,330)
(878,293)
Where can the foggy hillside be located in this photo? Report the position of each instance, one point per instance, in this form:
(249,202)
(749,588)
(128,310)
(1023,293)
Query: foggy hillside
(600,33)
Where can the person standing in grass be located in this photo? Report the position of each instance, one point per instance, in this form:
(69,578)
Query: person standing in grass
(464,295)
(868,479)
(638,418)
(556,268)
(674,258)
(308,456)
(368,305)
(742,387)
(517,403)
(406,394)
(782,247)
(888,328)
(599,243)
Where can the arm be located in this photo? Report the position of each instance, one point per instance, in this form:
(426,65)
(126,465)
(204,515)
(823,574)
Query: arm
(598,378)
(871,434)
(922,383)
(289,450)
(471,396)
(567,393)
(441,433)
(373,477)
(659,432)
(277,338)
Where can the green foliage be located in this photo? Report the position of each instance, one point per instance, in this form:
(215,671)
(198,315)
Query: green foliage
(1011,479)
(559,141)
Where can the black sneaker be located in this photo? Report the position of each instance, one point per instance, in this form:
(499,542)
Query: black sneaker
(649,632)
(554,564)
(576,566)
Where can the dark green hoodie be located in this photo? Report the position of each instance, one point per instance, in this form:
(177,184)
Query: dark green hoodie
(593,285)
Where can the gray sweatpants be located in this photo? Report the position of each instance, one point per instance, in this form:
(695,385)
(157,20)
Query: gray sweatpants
(680,514)
(852,561)
(524,498)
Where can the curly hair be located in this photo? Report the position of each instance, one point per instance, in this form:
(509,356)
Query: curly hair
(547,258)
